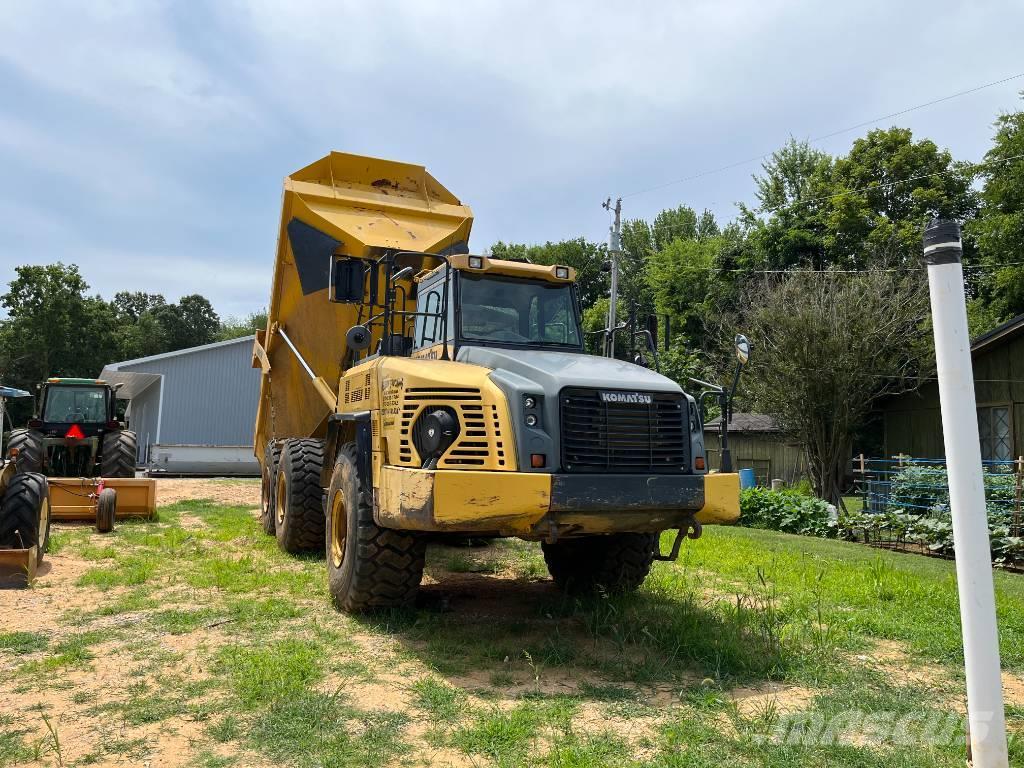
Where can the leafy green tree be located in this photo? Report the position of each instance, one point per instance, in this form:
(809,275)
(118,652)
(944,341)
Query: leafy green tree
(786,227)
(53,328)
(131,305)
(584,256)
(884,192)
(999,230)
(827,346)
(233,327)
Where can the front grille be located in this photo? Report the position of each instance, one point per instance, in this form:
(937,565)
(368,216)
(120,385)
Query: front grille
(600,435)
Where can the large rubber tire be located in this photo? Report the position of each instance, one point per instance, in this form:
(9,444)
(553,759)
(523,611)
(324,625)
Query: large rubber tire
(299,497)
(367,566)
(106,510)
(118,454)
(612,563)
(29,443)
(25,513)
(268,483)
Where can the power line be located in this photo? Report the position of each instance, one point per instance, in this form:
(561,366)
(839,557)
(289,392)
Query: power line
(861,124)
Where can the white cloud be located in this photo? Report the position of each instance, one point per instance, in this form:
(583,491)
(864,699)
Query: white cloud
(122,57)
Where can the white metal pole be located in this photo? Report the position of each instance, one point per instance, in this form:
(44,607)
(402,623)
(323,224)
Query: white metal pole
(986,719)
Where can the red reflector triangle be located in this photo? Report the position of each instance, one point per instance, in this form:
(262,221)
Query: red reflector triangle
(75,432)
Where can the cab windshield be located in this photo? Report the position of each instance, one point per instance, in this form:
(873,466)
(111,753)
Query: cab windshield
(508,310)
(75,404)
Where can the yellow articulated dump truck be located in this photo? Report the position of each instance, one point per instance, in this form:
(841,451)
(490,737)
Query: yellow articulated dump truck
(411,389)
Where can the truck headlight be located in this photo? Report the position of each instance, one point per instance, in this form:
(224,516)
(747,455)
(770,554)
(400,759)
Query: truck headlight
(531,420)
(530,401)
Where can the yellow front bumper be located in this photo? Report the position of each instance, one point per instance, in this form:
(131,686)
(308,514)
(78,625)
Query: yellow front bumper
(527,504)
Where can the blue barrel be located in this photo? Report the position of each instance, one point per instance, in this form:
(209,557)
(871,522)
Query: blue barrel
(747,478)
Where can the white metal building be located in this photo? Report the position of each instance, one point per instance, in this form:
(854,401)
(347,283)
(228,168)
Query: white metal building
(193,409)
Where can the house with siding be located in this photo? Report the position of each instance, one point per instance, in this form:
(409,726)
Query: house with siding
(913,422)
(193,409)
(757,442)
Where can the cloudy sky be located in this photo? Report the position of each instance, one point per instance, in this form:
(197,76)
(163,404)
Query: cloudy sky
(146,141)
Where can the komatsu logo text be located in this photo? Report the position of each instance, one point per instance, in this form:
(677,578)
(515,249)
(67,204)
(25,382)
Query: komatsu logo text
(628,398)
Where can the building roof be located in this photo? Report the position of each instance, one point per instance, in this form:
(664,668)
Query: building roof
(746,422)
(187,351)
(134,382)
(999,335)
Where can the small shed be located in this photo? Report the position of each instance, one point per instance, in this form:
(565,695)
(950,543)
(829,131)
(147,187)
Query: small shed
(193,409)
(913,421)
(757,442)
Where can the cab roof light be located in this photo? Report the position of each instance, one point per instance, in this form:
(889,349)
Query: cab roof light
(562,273)
(476,262)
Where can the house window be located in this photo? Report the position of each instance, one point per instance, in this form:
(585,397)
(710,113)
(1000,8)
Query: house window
(994,429)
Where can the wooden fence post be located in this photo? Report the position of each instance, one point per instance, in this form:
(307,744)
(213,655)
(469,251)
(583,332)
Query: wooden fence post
(1015,528)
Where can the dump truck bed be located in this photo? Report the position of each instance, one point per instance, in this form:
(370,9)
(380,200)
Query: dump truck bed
(341,204)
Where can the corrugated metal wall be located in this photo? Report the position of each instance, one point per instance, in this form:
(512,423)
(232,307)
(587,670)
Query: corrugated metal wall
(209,396)
(145,412)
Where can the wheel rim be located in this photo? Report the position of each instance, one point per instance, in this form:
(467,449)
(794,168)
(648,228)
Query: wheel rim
(339,521)
(44,523)
(282,496)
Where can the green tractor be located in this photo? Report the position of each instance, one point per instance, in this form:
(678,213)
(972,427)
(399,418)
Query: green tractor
(75,432)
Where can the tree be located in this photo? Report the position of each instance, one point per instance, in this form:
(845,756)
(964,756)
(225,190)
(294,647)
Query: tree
(883,193)
(233,327)
(189,323)
(581,254)
(53,328)
(828,345)
(786,226)
(131,305)
(1000,228)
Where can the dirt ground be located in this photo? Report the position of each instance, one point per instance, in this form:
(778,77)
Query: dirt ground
(148,696)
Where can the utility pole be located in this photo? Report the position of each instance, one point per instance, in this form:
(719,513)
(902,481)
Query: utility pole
(615,251)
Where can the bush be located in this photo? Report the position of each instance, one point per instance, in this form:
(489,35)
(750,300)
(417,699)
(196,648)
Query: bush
(787,511)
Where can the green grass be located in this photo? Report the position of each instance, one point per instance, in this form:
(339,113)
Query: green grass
(127,572)
(263,675)
(506,737)
(23,642)
(215,625)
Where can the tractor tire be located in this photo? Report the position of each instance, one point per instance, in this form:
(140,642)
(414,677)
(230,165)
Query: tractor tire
(613,563)
(106,510)
(268,473)
(299,497)
(367,566)
(118,455)
(25,513)
(29,444)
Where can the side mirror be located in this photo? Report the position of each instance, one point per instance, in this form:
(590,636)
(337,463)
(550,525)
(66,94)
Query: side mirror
(742,349)
(347,278)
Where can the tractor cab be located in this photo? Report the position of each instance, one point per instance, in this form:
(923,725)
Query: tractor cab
(76,408)
(76,432)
